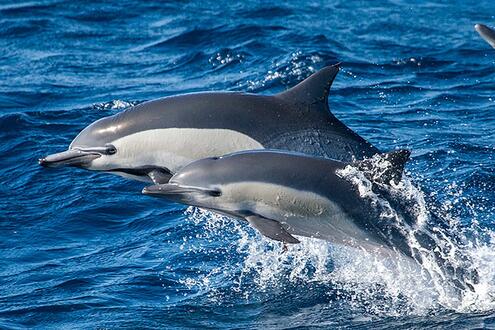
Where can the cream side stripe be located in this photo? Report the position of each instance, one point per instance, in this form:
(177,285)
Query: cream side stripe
(175,147)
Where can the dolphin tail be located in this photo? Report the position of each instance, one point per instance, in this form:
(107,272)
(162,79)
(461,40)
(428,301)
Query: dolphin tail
(386,167)
(486,33)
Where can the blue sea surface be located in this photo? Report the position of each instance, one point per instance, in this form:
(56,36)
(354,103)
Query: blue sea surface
(80,249)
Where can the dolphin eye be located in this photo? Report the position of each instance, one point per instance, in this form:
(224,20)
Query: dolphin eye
(215,193)
(110,149)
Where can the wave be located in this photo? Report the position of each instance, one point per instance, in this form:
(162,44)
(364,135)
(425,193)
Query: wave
(203,36)
(288,71)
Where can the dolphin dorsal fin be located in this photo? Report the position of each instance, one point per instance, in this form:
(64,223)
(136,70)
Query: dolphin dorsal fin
(313,91)
(386,167)
(486,33)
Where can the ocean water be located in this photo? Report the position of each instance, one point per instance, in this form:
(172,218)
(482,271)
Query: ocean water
(86,250)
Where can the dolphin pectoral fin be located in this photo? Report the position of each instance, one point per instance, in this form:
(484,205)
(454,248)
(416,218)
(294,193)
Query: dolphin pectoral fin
(271,229)
(383,168)
(312,93)
(159,176)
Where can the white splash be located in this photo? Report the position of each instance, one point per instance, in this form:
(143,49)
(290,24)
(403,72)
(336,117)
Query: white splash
(298,67)
(470,256)
(380,286)
(115,105)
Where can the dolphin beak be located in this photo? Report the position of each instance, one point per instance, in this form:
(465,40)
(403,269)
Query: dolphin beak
(173,190)
(72,157)
(165,190)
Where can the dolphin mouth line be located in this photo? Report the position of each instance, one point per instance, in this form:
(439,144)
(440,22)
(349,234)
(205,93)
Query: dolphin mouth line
(71,157)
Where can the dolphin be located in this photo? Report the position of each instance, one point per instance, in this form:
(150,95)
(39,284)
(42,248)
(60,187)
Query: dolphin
(284,194)
(486,33)
(151,141)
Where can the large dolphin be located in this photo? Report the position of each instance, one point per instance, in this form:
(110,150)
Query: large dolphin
(486,33)
(284,195)
(152,140)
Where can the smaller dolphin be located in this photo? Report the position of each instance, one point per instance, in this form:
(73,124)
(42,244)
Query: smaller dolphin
(283,194)
(486,33)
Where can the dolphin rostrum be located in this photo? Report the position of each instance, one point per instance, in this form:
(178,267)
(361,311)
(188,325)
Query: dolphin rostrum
(486,33)
(153,140)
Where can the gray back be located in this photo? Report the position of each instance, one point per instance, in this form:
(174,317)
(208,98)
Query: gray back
(296,120)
